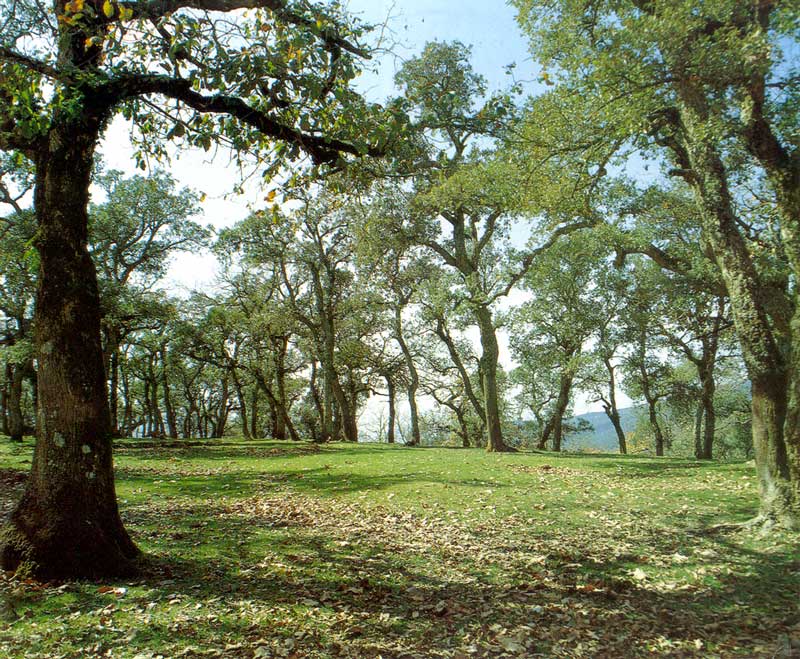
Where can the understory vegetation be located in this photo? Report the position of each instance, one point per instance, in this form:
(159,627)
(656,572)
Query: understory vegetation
(279,549)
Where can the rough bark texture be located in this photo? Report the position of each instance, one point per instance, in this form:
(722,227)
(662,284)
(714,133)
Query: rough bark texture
(776,438)
(67,524)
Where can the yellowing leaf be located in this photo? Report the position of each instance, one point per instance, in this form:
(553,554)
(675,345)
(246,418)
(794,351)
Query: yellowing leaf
(270,195)
(125,13)
(108,9)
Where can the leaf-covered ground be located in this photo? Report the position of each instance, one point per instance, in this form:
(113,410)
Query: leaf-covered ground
(273,549)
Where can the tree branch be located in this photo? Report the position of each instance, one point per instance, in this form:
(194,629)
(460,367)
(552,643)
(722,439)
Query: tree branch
(8,55)
(155,9)
(530,257)
(321,149)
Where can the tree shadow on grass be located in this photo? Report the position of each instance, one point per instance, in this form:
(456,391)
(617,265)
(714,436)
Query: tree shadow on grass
(274,577)
(320,481)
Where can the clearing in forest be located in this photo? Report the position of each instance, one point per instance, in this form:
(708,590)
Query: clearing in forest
(274,549)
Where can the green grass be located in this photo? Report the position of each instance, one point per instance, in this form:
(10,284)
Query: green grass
(274,549)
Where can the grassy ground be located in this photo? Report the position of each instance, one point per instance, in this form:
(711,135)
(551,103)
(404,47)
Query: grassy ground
(272,549)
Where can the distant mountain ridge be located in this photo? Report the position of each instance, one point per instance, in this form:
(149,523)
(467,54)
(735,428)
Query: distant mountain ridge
(604,437)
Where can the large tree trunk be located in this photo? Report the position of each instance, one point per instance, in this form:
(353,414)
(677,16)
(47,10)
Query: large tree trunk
(67,524)
(778,497)
(775,400)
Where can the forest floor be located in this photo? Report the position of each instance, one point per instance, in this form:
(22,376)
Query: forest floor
(278,550)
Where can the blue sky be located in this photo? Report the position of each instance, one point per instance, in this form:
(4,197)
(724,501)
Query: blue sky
(489,27)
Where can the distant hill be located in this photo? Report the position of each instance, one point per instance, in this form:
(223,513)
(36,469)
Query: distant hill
(604,438)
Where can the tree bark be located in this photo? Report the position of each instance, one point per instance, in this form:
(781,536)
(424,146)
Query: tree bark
(242,398)
(555,425)
(413,377)
(254,432)
(775,385)
(698,431)
(709,415)
(67,523)
(16,420)
(172,425)
(611,409)
(469,391)
(390,386)
(9,374)
(490,353)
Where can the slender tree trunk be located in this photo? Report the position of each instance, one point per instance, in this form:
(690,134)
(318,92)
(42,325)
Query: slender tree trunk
(281,348)
(709,415)
(329,425)
(613,416)
(554,426)
(16,420)
(279,427)
(242,398)
(347,418)
(390,386)
(490,353)
(278,410)
(172,425)
(254,431)
(113,394)
(67,523)
(655,425)
(9,374)
(221,420)
(611,409)
(463,427)
(444,335)
(651,401)
(413,377)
